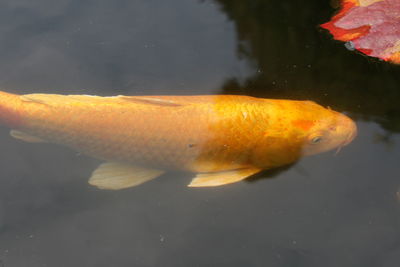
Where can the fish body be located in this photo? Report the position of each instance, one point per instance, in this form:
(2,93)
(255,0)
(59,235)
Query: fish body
(222,138)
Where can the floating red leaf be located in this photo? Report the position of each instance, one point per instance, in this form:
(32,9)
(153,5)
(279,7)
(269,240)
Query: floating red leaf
(370,26)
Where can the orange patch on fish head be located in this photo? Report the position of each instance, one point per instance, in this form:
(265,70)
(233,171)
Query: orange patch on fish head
(302,124)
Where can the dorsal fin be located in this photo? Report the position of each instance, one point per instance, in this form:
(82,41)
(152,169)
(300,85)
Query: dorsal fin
(32,98)
(49,99)
(169,101)
(156,100)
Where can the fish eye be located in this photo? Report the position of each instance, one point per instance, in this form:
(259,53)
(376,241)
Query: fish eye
(316,139)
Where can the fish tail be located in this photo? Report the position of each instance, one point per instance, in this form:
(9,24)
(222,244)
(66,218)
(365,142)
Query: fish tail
(10,109)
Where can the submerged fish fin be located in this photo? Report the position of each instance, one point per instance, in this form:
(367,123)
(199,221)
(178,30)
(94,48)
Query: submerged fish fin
(157,100)
(166,101)
(37,98)
(26,137)
(51,99)
(223,177)
(114,176)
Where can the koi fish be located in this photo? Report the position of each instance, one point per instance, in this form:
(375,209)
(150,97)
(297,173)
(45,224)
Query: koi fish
(222,139)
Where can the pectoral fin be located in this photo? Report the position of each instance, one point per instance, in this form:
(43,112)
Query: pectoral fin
(221,178)
(26,137)
(114,176)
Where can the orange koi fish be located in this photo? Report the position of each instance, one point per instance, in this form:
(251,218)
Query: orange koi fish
(221,138)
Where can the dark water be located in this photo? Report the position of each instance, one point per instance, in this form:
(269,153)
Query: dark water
(324,211)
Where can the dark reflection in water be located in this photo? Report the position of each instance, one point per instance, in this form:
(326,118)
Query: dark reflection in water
(324,211)
(296,59)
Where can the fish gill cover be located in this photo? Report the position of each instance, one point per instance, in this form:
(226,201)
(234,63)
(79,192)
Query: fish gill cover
(370,26)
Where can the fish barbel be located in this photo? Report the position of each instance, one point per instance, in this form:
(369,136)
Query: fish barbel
(221,138)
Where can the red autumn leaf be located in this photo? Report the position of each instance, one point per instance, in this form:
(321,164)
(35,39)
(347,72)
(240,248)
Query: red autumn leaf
(370,26)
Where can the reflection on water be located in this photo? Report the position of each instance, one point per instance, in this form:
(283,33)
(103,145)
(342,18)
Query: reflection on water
(324,211)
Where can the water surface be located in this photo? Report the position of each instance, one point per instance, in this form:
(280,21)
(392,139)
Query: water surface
(325,210)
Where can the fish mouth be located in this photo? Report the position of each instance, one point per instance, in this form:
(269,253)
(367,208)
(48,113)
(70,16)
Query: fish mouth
(350,137)
(352,134)
(350,126)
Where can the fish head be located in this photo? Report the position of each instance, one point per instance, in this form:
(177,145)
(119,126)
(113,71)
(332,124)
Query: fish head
(329,130)
(301,128)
